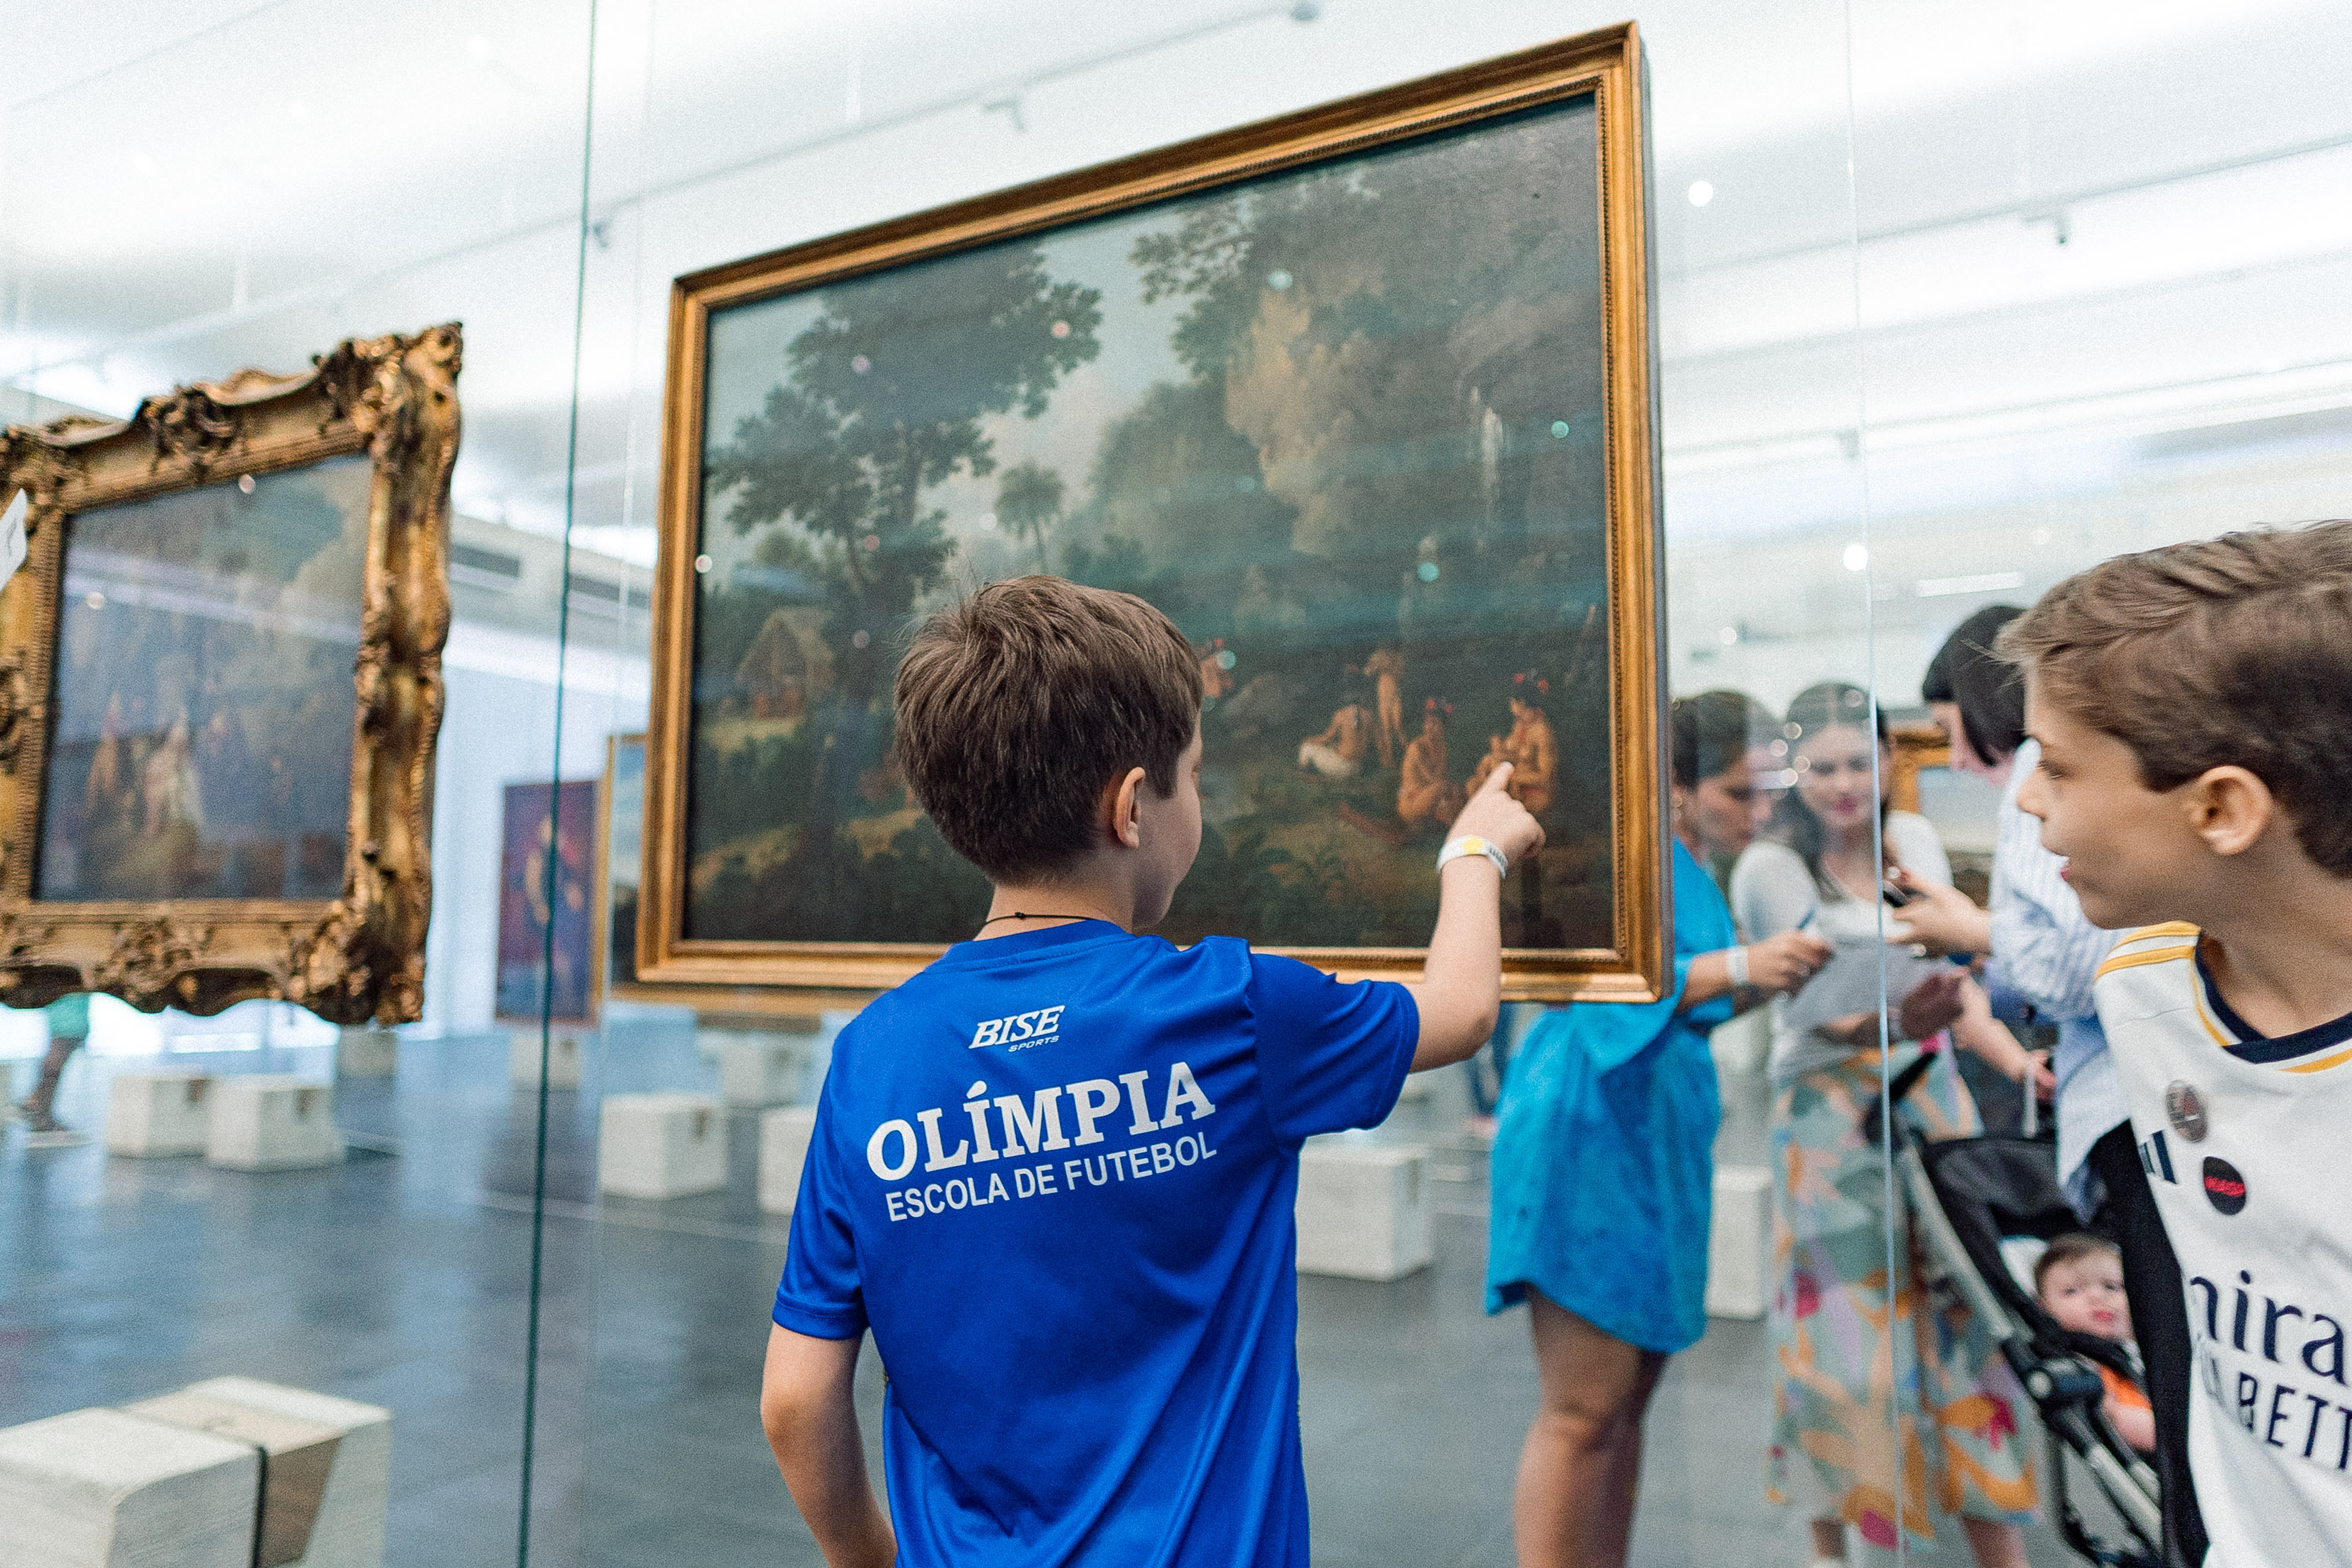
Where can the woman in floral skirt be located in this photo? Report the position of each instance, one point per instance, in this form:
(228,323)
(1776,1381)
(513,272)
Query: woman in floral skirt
(1892,1408)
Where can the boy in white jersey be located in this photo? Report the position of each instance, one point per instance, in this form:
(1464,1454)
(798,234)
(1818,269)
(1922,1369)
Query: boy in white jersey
(2194,706)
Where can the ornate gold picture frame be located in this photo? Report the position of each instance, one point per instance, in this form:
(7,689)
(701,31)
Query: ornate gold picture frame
(1362,396)
(212,587)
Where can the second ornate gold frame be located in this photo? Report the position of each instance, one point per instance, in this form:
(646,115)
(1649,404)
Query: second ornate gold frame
(354,959)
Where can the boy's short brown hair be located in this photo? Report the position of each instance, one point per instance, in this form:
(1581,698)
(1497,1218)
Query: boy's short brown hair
(2068,1249)
(1017,705)
(2230,650)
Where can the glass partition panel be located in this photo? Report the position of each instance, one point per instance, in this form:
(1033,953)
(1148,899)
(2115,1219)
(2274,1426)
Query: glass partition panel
(256,1193)
(2101,257)
(720,141)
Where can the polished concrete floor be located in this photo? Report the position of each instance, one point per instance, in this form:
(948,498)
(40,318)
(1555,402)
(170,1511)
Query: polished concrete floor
(402,1277)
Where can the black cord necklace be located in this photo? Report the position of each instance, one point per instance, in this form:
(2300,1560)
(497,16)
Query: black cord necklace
(1020,915)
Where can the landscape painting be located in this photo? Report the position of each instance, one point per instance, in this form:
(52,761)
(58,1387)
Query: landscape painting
(205,705)
(1349,424)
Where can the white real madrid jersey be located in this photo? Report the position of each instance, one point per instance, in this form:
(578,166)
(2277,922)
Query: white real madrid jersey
(2243,1141)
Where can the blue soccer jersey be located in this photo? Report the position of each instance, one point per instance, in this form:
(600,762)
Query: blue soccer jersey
(1056,1173)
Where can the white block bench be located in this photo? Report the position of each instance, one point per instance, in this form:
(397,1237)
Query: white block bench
(367,1053)
(661,1145)
(271,1122)
(784,1136)
(1740,1242)
(562,1058)
(326,1487)
(1363,1209)
(158,1114)
(103,1489)
(757,1069)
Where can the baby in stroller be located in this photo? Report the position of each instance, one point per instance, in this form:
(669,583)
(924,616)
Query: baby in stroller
(2080,1282)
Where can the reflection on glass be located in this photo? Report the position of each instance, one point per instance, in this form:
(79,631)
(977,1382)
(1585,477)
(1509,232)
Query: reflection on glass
(624,858)
(205,700)
(547,876)
(1344,427)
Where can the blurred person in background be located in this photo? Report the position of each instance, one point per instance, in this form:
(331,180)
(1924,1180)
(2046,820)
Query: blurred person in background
(1872,1379)
(1603,1169)
(69,1021)
(2046,951)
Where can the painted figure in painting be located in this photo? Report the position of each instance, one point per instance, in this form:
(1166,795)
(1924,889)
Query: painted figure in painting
(1530,747)
(1387,669)
(1338,751)
(1424,797)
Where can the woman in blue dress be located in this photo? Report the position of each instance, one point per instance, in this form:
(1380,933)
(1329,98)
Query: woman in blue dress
(1603,1168)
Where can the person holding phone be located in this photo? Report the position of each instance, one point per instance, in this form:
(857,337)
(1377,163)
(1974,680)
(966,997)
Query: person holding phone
(1841,1318)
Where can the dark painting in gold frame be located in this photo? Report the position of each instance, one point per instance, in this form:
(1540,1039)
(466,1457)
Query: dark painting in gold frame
(220,689)
(1361,395)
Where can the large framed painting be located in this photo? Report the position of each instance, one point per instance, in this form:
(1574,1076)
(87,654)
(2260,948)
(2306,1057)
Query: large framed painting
(220,689)
(548,879)
(1362,398)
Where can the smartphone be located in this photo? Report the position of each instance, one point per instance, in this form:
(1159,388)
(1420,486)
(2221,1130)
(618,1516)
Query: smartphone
(1895,897)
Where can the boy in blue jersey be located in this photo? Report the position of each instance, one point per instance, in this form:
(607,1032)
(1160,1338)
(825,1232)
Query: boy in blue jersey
(1054,1171)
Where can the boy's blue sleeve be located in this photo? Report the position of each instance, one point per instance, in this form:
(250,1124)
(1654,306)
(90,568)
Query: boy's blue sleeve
(1328,1055)
(821,1295)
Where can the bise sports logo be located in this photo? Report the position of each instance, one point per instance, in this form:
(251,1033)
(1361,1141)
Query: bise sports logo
(1021,1031)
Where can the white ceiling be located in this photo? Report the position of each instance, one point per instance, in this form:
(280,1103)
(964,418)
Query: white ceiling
(1871,312)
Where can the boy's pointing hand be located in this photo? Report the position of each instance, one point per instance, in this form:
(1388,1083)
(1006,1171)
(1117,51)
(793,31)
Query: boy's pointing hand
(1494,816)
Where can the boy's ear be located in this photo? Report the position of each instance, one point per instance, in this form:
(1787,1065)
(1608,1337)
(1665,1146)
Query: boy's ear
(1125,799)
(2229,807)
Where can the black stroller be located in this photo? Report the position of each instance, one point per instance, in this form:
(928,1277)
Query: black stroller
(1969,1196)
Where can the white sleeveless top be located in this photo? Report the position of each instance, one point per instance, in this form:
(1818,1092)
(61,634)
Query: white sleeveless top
(2243,1140)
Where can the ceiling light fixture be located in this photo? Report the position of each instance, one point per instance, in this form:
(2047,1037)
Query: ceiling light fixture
(1701,193)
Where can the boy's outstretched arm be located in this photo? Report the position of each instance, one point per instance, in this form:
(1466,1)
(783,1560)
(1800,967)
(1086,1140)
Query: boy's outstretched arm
(1461,984)
(805,1403)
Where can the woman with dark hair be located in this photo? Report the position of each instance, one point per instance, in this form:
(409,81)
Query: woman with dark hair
(1602,1170)
(1875,1380)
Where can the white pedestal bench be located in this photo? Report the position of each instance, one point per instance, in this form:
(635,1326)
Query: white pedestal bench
(661,1145)
(102,1489)
(784,1137)
(1363,1209)
(562,1058)
(327,1487)
(270,1122)
(367,1053)
(157,1114)
(1740,1242)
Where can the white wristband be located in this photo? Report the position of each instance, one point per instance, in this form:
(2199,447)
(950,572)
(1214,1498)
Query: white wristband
(1456,848)
(1735,962)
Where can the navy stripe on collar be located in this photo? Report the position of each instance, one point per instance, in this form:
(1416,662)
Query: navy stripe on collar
(2253,1045)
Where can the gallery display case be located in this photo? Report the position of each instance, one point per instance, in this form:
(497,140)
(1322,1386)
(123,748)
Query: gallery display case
(1463,383)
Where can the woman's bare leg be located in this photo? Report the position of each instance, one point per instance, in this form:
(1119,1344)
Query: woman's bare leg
(39,1106)
(1581,1469)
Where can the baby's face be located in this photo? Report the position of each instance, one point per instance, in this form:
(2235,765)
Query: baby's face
(2086,1295)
